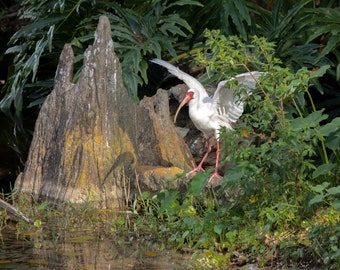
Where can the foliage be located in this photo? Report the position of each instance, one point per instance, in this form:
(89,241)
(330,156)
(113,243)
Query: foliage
(138,36)
(305,35)
(38,44)
(43,38)
(326,26)
(282,155)
(231,17)
(280,199)
(142,29)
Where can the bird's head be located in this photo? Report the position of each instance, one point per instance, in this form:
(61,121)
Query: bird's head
(188,96)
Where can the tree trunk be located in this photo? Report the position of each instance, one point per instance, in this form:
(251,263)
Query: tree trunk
(91,142)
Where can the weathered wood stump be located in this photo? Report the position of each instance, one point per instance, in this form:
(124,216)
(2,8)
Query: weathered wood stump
(92,142)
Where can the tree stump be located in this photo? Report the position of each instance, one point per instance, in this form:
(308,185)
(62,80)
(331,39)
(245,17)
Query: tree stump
(91,142)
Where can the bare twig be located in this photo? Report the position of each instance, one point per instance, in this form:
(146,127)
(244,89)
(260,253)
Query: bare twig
(14,211)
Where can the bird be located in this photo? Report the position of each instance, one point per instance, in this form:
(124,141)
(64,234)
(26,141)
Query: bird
(210,113)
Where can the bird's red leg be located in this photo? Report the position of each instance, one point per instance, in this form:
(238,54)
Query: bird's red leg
(216,174)
(199,168)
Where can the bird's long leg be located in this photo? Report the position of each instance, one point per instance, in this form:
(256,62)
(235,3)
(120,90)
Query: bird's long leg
(199,168)
(216,174)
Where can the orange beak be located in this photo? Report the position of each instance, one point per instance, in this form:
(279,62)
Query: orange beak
(188,97)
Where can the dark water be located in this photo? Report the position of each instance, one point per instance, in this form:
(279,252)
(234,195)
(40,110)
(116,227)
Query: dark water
(82,250)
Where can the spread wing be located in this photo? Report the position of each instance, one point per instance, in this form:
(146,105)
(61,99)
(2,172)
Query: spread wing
(190,81)
(248,80)
(229,106)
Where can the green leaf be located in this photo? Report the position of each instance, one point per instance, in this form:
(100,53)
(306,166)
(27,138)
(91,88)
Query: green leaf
(198,183)
(312,120)
(336,204)
(320,188)
(36,102)
(185,234)
(332,44)
(332,133)
(35,28)
(238,13)
(15,49)
(37,223)
(334,190)
(185,2)
(319,72)
(168,199)
(329,128)
(233,174)
(317,199)
(218,228)
(323,169)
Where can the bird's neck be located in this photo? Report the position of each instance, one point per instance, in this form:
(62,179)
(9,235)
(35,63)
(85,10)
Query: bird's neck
(199,98)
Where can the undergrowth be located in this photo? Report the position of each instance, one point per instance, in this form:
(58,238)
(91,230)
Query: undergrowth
(279,203)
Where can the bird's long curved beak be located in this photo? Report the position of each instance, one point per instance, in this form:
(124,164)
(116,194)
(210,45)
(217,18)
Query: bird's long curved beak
(184,101)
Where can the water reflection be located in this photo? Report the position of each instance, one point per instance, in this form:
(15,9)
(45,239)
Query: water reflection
(81,250)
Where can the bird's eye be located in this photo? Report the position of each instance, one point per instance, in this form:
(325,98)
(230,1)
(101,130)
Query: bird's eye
(190,94)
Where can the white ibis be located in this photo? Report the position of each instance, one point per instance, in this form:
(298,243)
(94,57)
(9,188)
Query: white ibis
(209,114)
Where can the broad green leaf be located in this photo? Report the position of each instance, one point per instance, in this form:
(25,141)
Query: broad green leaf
(197,184)
(319,72)
(168,200)
(334,190)
(323,169)
(320,188)
(336,204)
(218,228)
(145,195)
(312,120)
(327,129)
(317,199)
(332,43)
(191,221)
(333,140)
(332,133)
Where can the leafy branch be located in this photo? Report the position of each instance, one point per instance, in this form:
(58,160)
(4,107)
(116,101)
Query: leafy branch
(136,35)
